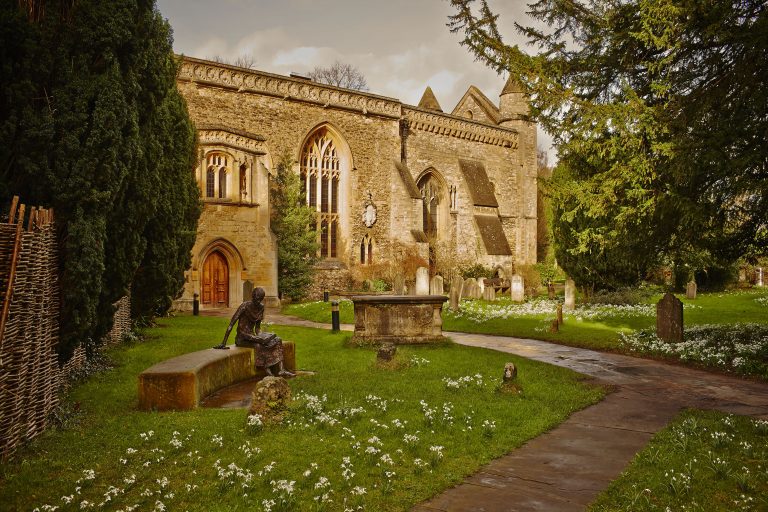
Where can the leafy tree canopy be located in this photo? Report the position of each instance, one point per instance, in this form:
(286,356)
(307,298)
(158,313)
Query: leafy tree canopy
(660,112)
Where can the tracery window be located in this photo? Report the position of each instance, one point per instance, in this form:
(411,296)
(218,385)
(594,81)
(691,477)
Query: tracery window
(366,250)
(320,175)
(430,195)
(217,172)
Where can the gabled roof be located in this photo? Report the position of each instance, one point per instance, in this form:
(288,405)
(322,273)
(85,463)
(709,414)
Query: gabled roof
(429,101)
(473,93)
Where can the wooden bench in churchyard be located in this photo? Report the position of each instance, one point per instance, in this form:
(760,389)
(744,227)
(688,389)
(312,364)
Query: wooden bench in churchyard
(182,382)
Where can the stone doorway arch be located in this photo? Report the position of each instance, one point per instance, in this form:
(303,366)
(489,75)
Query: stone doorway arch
(215,281)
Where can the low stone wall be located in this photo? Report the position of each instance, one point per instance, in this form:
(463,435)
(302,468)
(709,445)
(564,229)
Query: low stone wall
(334,280)
(182,382)
(399,319)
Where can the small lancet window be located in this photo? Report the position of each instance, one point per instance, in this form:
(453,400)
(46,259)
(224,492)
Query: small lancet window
(210,180)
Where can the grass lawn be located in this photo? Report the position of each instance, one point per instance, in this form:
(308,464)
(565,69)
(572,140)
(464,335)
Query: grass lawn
(705,461)
(404,433)
(598,327)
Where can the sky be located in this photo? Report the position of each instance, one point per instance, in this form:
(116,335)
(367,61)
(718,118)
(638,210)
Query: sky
(400,46)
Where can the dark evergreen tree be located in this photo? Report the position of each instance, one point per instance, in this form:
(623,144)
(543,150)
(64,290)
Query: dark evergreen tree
(293,223)
(660,111)
(93,125)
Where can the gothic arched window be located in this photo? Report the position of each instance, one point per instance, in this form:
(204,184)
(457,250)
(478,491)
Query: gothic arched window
(210,182)
(366,250)
(320,175)
(217,165)
(222,183)
(431,195)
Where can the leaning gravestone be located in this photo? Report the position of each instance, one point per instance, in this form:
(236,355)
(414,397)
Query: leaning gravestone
(570,295)
(436,285)
(669,318)
(550,290)
(481,284)
(517,288)
(690,290)
(422,281)
(398,287)
(489,294)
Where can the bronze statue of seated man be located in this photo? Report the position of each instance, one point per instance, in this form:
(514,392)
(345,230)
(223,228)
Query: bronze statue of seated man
(268,347)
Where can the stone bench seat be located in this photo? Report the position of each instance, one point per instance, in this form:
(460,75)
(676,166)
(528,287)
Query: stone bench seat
(182,382)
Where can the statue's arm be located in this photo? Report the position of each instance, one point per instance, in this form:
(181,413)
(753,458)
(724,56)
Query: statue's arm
(232,322)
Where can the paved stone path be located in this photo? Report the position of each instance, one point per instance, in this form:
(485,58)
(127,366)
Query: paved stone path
(567,467)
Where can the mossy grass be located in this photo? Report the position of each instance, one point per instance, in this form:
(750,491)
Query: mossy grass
(703,460)
(209,459)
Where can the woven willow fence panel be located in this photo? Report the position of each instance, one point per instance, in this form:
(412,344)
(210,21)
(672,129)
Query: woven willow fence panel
(31,379)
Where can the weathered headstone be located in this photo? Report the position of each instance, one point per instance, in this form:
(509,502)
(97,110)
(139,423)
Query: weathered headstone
(669,318)
(489,294)
(570,295)
(554,326)
(422,281)
(550,290)
(517,288)
(436,285)
(454,297)
(469,285)
(398,287)
(559,314)
(510,372)
(386,353)
(481,284)
(690,290)
(760,276)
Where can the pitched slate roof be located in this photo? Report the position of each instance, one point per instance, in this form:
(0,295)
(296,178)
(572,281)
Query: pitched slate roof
(429,101)
(410,185)
(479,185)
(492,234)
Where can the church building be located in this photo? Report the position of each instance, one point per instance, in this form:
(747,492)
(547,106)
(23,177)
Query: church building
(380,174)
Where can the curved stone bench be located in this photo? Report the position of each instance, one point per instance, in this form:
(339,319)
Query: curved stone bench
(180,383)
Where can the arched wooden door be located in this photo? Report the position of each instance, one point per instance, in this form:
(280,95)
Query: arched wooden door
(216,281)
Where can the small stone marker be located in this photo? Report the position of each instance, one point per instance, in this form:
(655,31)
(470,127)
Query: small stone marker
(386,353)
(554,326)
(559,314)
(481,284)
(510,372)
(570,295)
(422,281)
(759,276)
(436,285)
(517,288)
(454,298)
(690,290)
(489,294)
(669,318)
(271,395)
(398,287)
(550,290)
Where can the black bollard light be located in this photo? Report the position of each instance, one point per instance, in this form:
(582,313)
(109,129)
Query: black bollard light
(196,305)
(326,296)
(336,326)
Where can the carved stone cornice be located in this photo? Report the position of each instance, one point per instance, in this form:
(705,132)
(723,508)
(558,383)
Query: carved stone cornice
(259,82)
(454,126)
(253,144)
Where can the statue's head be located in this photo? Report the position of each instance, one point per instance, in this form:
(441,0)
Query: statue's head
(258,294)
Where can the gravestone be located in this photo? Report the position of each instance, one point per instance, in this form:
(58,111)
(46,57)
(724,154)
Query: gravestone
(570,295)
(510,372)
(454,298)
(760,276)
(489,294)
(469,285)
(422,281)
(436,285)
(386,353)
(517,288)
(669,318)
(550,290)
(481,284)
(270,396)
(690,290)
(554,326)
(398,287)
(559,314)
